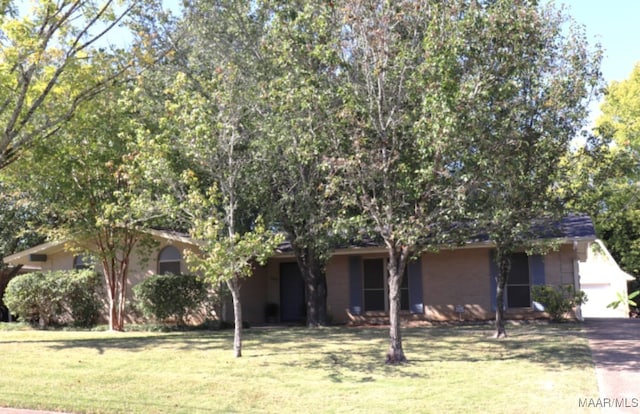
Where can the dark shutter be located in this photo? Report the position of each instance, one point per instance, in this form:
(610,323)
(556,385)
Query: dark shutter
(536,269)
(415,286)
(355,285)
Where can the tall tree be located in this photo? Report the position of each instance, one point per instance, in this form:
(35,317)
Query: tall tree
(215,109)
(299,135)
(527,74)
(51,62)
(402,133)
(609,172)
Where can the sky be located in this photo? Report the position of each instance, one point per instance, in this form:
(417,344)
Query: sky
(615,24)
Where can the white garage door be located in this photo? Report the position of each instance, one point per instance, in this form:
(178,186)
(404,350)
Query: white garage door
(599,296)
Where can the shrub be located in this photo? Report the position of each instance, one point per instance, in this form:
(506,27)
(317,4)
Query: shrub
(34,297)
(47,298)
(82,298)
(170,296)
(558,300)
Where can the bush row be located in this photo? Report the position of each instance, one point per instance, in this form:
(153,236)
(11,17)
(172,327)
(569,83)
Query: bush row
(56,298)
(75,298)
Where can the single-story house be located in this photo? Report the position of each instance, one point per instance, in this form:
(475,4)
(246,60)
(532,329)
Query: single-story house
(166,256)
(452,284)
(602,280)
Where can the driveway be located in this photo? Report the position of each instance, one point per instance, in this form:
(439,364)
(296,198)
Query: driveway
(615,346)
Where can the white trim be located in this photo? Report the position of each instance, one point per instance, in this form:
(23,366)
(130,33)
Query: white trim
(51,246)
(174,237)
(33,250)
(576,279)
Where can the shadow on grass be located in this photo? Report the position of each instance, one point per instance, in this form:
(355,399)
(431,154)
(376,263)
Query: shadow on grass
(137,343)
(555,347)
(358,354)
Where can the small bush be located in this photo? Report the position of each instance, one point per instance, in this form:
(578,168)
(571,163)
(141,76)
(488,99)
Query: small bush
(558,300)
(170,296)
(35,297)
(82,298)
(55,298)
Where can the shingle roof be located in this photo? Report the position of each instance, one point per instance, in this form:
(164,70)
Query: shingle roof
(574,226)
(577,226)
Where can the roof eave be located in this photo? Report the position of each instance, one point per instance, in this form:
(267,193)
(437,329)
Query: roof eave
(34,250)
(470,245)
(174,237)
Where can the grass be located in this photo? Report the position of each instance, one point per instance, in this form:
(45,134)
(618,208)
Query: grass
(329,370)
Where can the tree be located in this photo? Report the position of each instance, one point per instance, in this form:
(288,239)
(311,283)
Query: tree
(621,110)
(402,136)
(87,175)
(226,254)
(527,77)
(608,173)
(50,64)
(218,206)
(605,183)
(298,138)
(214,107)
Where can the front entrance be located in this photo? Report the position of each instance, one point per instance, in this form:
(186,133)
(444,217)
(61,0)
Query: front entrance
(292,305)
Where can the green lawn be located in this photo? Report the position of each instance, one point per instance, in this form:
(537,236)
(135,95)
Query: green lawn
(298,370)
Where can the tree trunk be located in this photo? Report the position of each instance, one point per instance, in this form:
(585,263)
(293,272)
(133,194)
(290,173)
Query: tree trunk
(504,266)
(114,291)
(5,277)
(110,283)
(234,287)
(116,273)
(113,314)
(315,279)
(397,264)
(122,294)
(311,299)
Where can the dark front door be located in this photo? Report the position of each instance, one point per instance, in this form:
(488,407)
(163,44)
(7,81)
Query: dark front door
(292,306)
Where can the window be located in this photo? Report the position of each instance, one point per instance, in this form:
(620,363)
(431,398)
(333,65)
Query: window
(376,287)
(81,262)
(518,284)
(404,292)
(169,261)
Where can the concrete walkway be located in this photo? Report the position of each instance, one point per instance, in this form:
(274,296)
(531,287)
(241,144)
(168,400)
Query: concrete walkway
(615,345)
